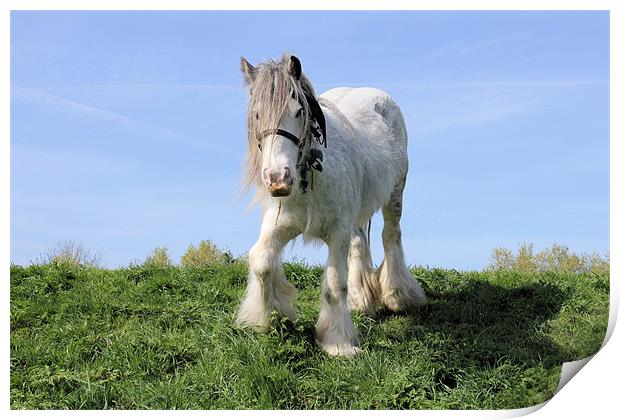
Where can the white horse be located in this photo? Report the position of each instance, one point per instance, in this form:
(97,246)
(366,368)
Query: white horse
(322,169)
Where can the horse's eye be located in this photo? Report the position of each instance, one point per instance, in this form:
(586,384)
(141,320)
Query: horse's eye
(298,114)
(256,116)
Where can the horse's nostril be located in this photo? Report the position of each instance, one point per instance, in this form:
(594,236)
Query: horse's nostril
(266,177)
(287,172)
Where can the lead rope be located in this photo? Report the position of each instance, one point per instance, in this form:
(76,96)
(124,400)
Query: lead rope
(278,215)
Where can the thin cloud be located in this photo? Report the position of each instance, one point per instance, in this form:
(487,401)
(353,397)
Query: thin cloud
(471,83)
(471,110)
(500,83)
(165,87)
(490,43)
(36,96)
(33,95)
(481,46)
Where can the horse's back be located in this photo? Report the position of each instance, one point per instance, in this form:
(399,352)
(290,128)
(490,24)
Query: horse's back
(373,113)
(380,135)
(336,94)
(352,98)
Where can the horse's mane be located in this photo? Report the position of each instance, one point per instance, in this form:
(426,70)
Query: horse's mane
(270,91)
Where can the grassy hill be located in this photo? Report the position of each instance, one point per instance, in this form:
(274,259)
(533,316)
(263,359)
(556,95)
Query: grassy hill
(146,337)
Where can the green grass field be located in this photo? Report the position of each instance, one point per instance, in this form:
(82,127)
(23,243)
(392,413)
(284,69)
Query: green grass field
(162,338)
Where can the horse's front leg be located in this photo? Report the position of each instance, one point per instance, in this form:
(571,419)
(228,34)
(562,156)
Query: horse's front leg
(267,287)
(335,331)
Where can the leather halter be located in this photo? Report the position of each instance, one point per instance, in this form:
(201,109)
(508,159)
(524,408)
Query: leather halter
(317,131)
(278,132)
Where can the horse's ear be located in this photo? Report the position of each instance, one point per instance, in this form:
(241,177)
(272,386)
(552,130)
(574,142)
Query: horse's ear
(248,70)
(294,67)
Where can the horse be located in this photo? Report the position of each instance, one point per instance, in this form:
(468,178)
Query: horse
(321,167)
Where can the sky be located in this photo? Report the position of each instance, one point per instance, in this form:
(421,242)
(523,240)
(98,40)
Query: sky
(128,128)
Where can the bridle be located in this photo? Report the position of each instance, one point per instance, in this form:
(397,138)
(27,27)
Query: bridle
(278,132)
(317,132)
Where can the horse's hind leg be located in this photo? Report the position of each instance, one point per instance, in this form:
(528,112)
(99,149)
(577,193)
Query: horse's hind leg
(400,292)
(363,287)
(267,287)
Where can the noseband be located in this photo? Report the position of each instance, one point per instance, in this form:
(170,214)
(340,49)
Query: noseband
(317,130)
(278,132)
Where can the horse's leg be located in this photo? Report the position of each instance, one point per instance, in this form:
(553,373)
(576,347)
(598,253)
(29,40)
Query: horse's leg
(334,329)
(363,287)
(399,290)
(267,287)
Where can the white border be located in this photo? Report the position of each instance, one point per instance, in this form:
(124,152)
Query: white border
(593,393)
(311,5)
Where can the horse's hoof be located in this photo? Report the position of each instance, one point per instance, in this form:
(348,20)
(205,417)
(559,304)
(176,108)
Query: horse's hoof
(404,303)
(343,350)
(261,328)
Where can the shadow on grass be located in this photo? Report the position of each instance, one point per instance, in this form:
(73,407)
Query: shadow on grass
(482,324)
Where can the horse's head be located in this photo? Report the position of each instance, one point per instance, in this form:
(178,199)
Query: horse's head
(277,123)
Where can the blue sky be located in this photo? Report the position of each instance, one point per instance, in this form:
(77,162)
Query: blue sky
(127,128)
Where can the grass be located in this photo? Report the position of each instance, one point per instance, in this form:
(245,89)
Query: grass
(161,338)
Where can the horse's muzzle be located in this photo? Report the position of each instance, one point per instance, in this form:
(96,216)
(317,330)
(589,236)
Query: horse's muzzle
(278,182)
(281,189)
